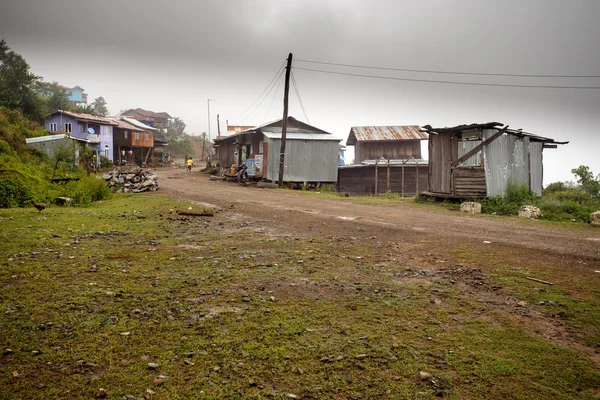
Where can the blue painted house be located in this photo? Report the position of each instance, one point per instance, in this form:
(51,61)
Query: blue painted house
(91,130)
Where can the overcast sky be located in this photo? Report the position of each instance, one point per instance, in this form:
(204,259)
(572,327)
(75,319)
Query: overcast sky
(173,55)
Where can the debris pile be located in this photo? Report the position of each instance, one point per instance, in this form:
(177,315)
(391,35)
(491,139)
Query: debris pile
(136,180)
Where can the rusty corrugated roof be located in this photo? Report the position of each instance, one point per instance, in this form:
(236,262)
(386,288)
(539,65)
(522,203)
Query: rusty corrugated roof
(384,133)
(87,117)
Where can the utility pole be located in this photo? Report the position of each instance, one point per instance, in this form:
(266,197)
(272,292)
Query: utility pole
(203,142)
(208,104)
(286,92)
(218,126)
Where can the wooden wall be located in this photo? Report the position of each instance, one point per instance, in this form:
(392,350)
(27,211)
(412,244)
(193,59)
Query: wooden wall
(360,181)
(469,182)
(390,150)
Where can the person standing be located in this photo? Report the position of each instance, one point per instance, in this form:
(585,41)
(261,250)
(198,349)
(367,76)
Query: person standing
(189,164)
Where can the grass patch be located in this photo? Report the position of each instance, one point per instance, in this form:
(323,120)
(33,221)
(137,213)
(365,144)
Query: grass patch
(91,296)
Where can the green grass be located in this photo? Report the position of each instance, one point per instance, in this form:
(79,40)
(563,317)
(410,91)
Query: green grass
(198,301)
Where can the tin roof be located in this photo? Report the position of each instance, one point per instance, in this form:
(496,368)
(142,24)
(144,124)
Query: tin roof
(385,133)
(466,127)
(301,136)
(47,138)
(125,125)
(138,124)
(490,125)
(87,117)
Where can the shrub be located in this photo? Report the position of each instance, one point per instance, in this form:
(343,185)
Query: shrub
(509,204)
(87,190)
(13,194)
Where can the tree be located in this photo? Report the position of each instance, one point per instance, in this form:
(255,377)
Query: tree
(586,180)
(64,152)
(84,109)
(176,127)
(100,108)
(56,96)
(16,84)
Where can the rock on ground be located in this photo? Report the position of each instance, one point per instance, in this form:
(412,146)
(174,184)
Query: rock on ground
(530,212)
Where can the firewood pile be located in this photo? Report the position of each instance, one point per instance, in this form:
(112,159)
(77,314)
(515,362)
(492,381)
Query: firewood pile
(135,181)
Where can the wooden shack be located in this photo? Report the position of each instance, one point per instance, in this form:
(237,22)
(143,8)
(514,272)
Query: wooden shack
(133,141)
(479,160)
(386,159)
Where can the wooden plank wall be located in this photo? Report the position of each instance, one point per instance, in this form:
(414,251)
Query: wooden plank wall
(360,181)
(390,150)
(469,182)
(440,163)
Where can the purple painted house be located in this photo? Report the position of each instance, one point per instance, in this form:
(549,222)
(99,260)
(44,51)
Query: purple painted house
(90,130)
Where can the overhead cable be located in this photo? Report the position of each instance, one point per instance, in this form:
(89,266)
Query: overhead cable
(273,99)
(266,93)
(298,95)
(277,74)
(448,72)
(448,82)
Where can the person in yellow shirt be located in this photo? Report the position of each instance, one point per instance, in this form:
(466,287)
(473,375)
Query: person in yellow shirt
(189,164)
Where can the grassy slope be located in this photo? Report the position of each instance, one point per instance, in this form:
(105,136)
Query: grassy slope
(196,300)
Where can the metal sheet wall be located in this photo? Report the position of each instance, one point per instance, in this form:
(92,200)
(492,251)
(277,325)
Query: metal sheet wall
(506,162)
(305,160)
(464,146)
(390,150)
(536,165)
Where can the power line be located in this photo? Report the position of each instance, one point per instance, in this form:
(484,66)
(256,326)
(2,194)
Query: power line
(277,74)
(268,91)
(299,98)
(450,72)
(273,99)
(449,82)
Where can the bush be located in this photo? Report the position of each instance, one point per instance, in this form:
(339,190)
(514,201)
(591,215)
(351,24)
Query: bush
(509,204)
(87,190)
(13,194)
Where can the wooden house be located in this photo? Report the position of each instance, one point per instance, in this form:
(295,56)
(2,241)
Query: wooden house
(133,141)
(479,160)
(386,159)
(311,154)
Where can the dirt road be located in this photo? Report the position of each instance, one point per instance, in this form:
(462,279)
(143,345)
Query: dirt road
(299,214)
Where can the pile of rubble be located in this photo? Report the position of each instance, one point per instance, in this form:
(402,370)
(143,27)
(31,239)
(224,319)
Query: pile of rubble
(136,180)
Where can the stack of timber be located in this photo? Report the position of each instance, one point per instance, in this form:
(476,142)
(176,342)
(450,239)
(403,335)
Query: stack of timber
(136,180)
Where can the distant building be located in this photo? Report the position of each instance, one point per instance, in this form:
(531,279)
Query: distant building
(77,96)
(149,118)
(133,142)
(96,132)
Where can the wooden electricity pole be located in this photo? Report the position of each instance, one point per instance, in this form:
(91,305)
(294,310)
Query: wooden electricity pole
(203,142)
(218,126)
(288,69)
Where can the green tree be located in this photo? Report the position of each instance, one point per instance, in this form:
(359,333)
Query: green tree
(176,127)
(586,180)
(56,96)
(17,83)
(63,152)
(84,109)
(100,108)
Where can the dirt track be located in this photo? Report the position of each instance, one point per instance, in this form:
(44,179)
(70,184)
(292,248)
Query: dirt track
(299,214)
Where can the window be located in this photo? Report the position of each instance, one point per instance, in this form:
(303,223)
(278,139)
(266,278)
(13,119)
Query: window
(82,128)
(147,137)
(68,128)
(125,135)
(52,127)
(137,136)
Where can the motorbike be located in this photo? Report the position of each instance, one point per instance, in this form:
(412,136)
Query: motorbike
(242,174)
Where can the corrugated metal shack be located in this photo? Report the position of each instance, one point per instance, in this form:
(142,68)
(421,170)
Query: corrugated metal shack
(386,159)
(479,160)
(311,154)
